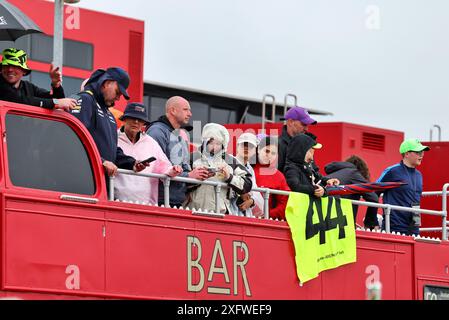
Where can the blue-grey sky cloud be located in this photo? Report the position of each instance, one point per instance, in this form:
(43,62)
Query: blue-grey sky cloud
(379,63)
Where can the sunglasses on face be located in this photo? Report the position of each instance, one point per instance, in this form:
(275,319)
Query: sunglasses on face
(419,153)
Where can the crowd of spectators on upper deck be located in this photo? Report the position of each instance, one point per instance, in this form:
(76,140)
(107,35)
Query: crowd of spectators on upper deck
(284,163)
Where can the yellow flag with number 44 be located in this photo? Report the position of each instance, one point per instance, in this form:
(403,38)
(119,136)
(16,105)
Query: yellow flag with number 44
(323,233)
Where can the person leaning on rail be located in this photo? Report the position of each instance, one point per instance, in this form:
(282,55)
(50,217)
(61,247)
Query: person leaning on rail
(13,88)
(115,112)
(408,195)
(167,131)
(222,167)
(355,170)
(101,91)
(299,173)
(141,146)
(251,203)
(268,176)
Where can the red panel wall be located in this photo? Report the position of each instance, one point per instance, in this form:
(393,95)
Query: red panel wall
(377,160)
(435,171)
(113,37)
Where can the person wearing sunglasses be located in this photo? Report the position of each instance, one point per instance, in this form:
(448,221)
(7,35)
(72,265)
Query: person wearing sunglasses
(408,195)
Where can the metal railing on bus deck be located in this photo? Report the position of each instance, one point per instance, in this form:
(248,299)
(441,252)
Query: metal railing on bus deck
(267,192)
(273,110)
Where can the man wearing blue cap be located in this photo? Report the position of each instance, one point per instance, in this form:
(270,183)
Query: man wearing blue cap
(298,119)
(101,91)
(408,195)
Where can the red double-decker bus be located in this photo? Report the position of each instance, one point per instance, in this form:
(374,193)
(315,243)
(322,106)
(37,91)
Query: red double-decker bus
(62,238)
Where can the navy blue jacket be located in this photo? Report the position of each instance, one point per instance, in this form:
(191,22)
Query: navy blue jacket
(405,196)
(100,122)
(347,173)
(284,140)
(177,151)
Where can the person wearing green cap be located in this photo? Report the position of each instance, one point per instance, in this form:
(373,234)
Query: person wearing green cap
(13,88)
(408,195)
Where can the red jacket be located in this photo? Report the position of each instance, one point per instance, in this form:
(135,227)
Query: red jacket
(272,178)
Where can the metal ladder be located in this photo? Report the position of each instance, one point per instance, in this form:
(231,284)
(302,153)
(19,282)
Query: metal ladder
(439,132)
(273,107)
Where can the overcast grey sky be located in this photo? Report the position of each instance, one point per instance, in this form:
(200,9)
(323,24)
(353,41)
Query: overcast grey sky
(382,63)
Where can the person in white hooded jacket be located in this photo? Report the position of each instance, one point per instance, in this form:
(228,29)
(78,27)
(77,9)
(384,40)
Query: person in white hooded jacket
(212,154)
(141,146)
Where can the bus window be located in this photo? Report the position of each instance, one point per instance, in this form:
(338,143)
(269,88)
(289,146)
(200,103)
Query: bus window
(48,155)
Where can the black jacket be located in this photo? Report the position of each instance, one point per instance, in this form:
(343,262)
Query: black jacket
(301,176)
(28,93)
(347,173)
(284,140)
(100,122)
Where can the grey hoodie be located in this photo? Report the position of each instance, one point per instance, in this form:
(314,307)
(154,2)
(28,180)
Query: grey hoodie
(177,151)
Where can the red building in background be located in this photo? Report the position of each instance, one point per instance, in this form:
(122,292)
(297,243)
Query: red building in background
(92,40)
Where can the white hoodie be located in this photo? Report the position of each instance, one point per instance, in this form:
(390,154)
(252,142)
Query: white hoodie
(203,196)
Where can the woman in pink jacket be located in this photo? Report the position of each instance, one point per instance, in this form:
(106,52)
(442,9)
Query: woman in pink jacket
(141,146)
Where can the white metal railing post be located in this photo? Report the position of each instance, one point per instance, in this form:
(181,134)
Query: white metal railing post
(266,203)
(217,198)
(444,209)
(387,218)
(111,188)
(167,192)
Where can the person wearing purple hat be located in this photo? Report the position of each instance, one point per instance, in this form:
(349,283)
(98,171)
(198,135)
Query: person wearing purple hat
(298,120)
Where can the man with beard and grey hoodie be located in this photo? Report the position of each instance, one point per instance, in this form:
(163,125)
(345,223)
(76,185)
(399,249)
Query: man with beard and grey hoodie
(299,172)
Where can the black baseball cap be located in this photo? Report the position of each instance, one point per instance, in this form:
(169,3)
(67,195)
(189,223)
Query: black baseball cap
(122,78)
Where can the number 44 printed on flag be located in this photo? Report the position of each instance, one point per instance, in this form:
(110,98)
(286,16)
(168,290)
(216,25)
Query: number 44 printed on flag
(323,233)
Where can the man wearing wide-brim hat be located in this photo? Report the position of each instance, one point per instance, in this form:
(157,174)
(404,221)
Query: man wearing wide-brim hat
(13,88)
(408,195)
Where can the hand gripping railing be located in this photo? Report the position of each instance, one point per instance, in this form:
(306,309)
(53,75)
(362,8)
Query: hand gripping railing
(166,181)
(267,192)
